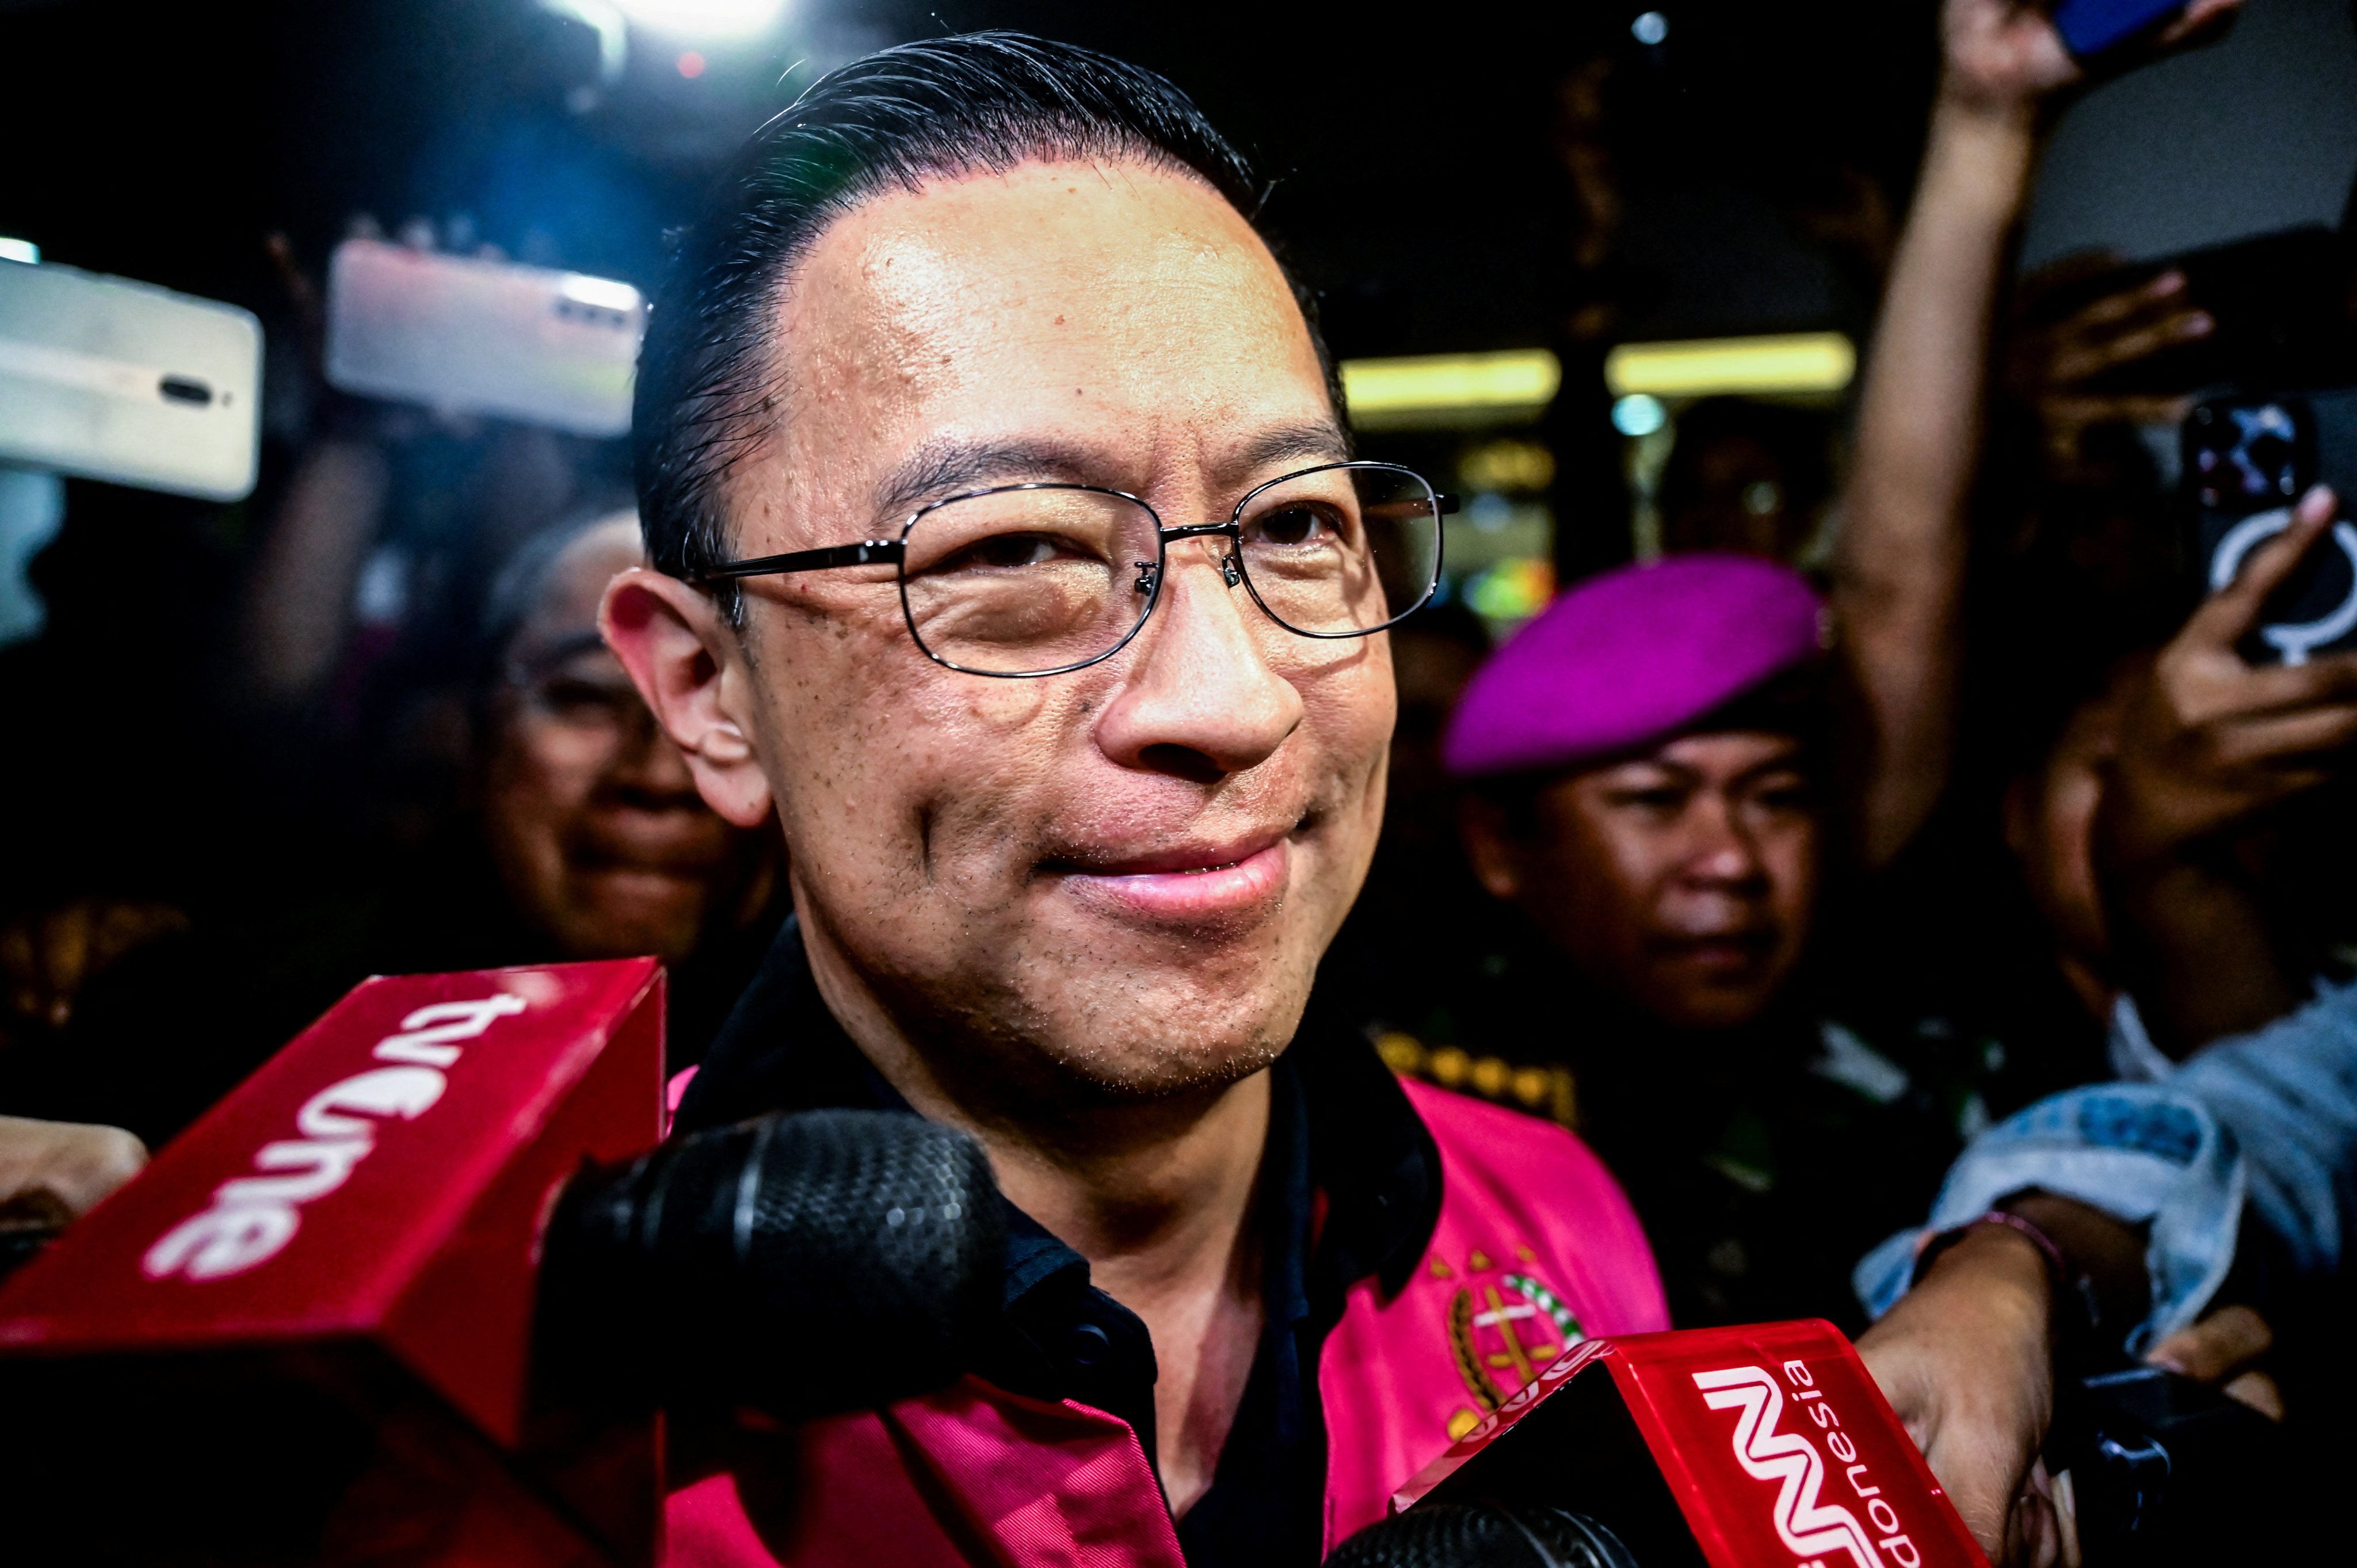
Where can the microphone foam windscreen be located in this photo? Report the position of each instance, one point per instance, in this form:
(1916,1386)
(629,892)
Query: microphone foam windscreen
(1481,1535)
(801,1264)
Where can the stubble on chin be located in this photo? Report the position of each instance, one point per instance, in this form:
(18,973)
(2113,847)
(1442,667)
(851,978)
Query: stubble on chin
(1068,1027)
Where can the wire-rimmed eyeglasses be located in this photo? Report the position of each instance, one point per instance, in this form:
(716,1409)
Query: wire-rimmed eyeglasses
(1040,579)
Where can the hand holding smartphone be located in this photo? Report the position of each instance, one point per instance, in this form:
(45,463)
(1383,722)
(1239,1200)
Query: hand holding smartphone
(2247,462)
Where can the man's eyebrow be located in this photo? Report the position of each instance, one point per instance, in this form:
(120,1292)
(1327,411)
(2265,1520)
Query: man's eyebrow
(1793,761)
(1316,440)
(944,467)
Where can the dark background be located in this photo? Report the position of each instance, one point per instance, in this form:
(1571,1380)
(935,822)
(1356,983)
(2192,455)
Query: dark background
(1408,155)
(1418,169)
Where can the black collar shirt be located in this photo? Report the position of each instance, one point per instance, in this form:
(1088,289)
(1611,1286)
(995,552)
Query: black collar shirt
(1350,1188)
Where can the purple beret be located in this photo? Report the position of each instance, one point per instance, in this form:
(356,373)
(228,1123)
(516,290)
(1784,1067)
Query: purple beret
(1633,656)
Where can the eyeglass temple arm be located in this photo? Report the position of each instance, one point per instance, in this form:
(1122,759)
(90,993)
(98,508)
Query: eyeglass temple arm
(860,555)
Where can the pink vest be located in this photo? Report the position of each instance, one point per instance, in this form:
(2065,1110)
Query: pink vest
(1536,1247)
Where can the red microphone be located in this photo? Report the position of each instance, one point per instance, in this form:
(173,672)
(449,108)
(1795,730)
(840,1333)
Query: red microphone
(1762,1446)
(305,1333)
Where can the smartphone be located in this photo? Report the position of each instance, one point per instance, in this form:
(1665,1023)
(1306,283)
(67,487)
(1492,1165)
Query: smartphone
(107,379)
(2247,460)
(474,336)
(2091,26)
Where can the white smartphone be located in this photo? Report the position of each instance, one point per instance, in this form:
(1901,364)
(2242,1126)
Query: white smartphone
(107,379)
(482,336)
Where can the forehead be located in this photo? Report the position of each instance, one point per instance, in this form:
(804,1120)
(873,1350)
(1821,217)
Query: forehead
(1721,754)
(565,599)
(1123,312)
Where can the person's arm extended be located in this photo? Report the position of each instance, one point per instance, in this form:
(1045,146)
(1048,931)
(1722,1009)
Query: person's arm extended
(2140,1190)
(300,603)
(1966,1358)
(2288,1094)
(1900,564)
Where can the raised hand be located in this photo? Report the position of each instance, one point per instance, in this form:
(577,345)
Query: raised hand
(2210,742)
(2004,54)
(2049,367)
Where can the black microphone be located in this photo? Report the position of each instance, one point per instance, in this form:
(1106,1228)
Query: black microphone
(422,1280)
(711,1272)
(1452,1535)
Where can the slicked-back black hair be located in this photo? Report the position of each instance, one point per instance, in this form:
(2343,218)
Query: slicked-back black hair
(944,107)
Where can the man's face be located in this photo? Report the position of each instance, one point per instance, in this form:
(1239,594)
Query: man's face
(1114,884)
(591,819)
(1682,881)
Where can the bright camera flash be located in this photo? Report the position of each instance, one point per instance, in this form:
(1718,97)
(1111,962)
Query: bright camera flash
(704,19)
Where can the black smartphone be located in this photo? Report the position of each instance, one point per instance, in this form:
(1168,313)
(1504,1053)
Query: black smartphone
(2247,461)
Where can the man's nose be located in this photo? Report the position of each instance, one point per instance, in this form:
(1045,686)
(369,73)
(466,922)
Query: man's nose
(1722,854)
(1203,700)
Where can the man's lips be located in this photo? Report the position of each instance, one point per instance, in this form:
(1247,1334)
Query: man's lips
(1187,884)
(1718,949)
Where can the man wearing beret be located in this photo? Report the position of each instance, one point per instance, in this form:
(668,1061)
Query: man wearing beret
(1644,764)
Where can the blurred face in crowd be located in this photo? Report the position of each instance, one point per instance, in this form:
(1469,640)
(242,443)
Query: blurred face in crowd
(2050,825)
(1109,885)
(1432,664)
(1682,881)
(1738,498)
(591,814)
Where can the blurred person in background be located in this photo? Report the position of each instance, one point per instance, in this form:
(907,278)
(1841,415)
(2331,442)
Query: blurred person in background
(1981,920)
(1421,910)
(583,838)
(1795,843)
(2206,1200)
(589,817)
(1747,477)
(2080,612)
(2139,711)
(1647,774)
(333,676)
(2080,581)
(1895,951)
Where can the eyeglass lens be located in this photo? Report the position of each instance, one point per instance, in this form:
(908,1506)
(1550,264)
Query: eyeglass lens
(1026,581)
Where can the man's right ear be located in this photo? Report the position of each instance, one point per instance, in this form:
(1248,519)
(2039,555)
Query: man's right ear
(687,665)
